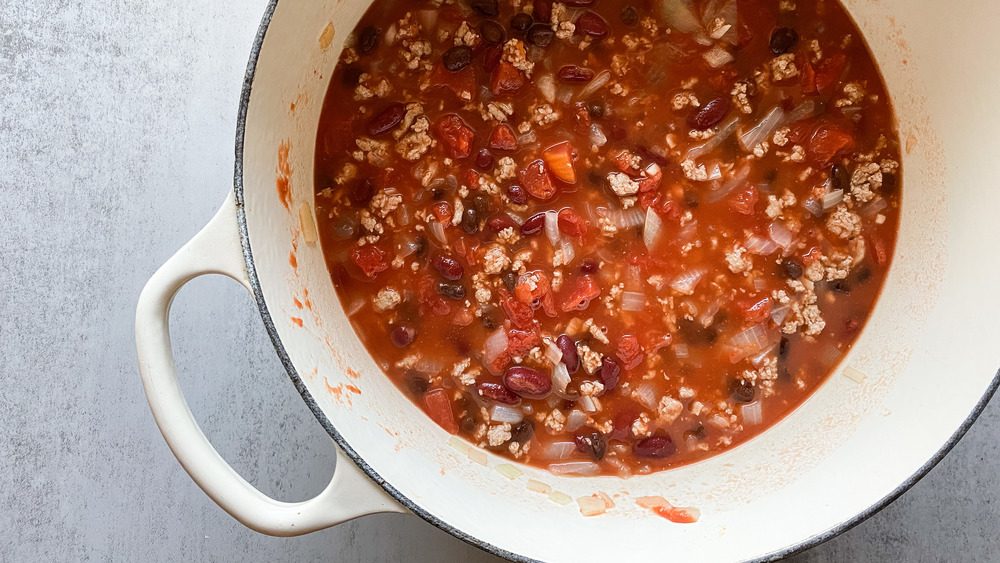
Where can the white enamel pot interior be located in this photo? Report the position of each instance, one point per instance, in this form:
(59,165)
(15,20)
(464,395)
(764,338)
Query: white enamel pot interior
(929,353)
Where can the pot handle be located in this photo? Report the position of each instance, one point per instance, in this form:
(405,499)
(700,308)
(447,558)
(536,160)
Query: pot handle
(350,494)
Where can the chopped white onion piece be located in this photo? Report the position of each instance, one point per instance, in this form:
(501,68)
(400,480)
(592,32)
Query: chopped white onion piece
(547,87)
(597,136)
(515,218)
(407,246)
(567,251)
(560,377)
(686,282)
(596,84)
(681,350)
(574,468)
(877,204)
(780,235)
(437,229)
(527,140)
(831,199)
(552,353)
(355,306)
(717,56)
(752,339)
(718,421)
(405,215)
(761,246)
(506,413)
(633,301)
(428,18)
(589,404)
(679,14)
(725,131)
(558,450)
(651,232)
(628,218)
(739,179)
(759,283)
(552,227)
(813,206)
(778,314)
(763,130)
(715,173)
(752,414)
(495,345)
(801,111)
(688,232)
(646,395)
(575,419)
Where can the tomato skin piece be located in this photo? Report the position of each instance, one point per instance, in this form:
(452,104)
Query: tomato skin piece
(827,142)
(455,135)
(571,224)
(521,315)
(744,201)
(439,408)
(629,352)
(755,311)
(458,83)
(371,259)
(584,291)
(507,80)
(503,138)
(520,342)
(829,70)
(536,181)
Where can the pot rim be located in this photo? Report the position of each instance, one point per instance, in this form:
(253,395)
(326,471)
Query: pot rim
(409,504)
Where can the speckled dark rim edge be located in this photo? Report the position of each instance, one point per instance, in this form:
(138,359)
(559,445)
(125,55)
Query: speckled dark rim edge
(396,494)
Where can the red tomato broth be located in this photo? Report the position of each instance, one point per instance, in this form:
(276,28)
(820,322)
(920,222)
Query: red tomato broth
(693,323)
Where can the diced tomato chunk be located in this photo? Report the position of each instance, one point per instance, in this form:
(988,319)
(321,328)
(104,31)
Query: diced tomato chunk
(520,342)
(830,69)
(442,211)
(812,255)
(507,80)
(755,311)
(827,142)
(535,179)
(520,314)
(455,135)
(743,201)
(629,351)
(439,408)
(571,224)
(503,139)
(370,259)
(807,75)
(585,290)
(676,515)
(432,302)
(559,159)
(462,83)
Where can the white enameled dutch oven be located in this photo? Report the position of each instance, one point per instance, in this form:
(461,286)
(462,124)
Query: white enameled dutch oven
(920,373)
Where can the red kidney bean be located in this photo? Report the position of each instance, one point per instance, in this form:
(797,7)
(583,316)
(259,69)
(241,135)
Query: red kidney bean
(741,390)
(588,266)
(570,356)
(449,268)
(484,160)
(782,40)
(402,336)
(656,447)
(522,431)
(500,222)
(498,393)
(386,120)
(609,372)
(517,195)
(527,382)
(363,191)
(710,114)
(593,25)
(573,73)
(533,225)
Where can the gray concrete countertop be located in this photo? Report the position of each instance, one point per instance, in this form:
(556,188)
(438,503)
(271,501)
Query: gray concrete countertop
(117,121)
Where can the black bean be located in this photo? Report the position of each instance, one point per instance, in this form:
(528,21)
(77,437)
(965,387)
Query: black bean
(418,384)
(492,32)
(698,433)
(481,203)
(489,319)
(741,390)
(470,220)
(455,291)
(363,191)
(793,270)
(522,431)
(889,183)
(437,194)
(520,22)
(595,446)
(540,35)
(863,275)
(509,280)
(783,39)
(840,178)
(421,246)
(783,348)
(368,40)
(841,286)
(457,58)
(630,16)
(468,423)
(694,333)
(595,108)
(488,8)
(691,199)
